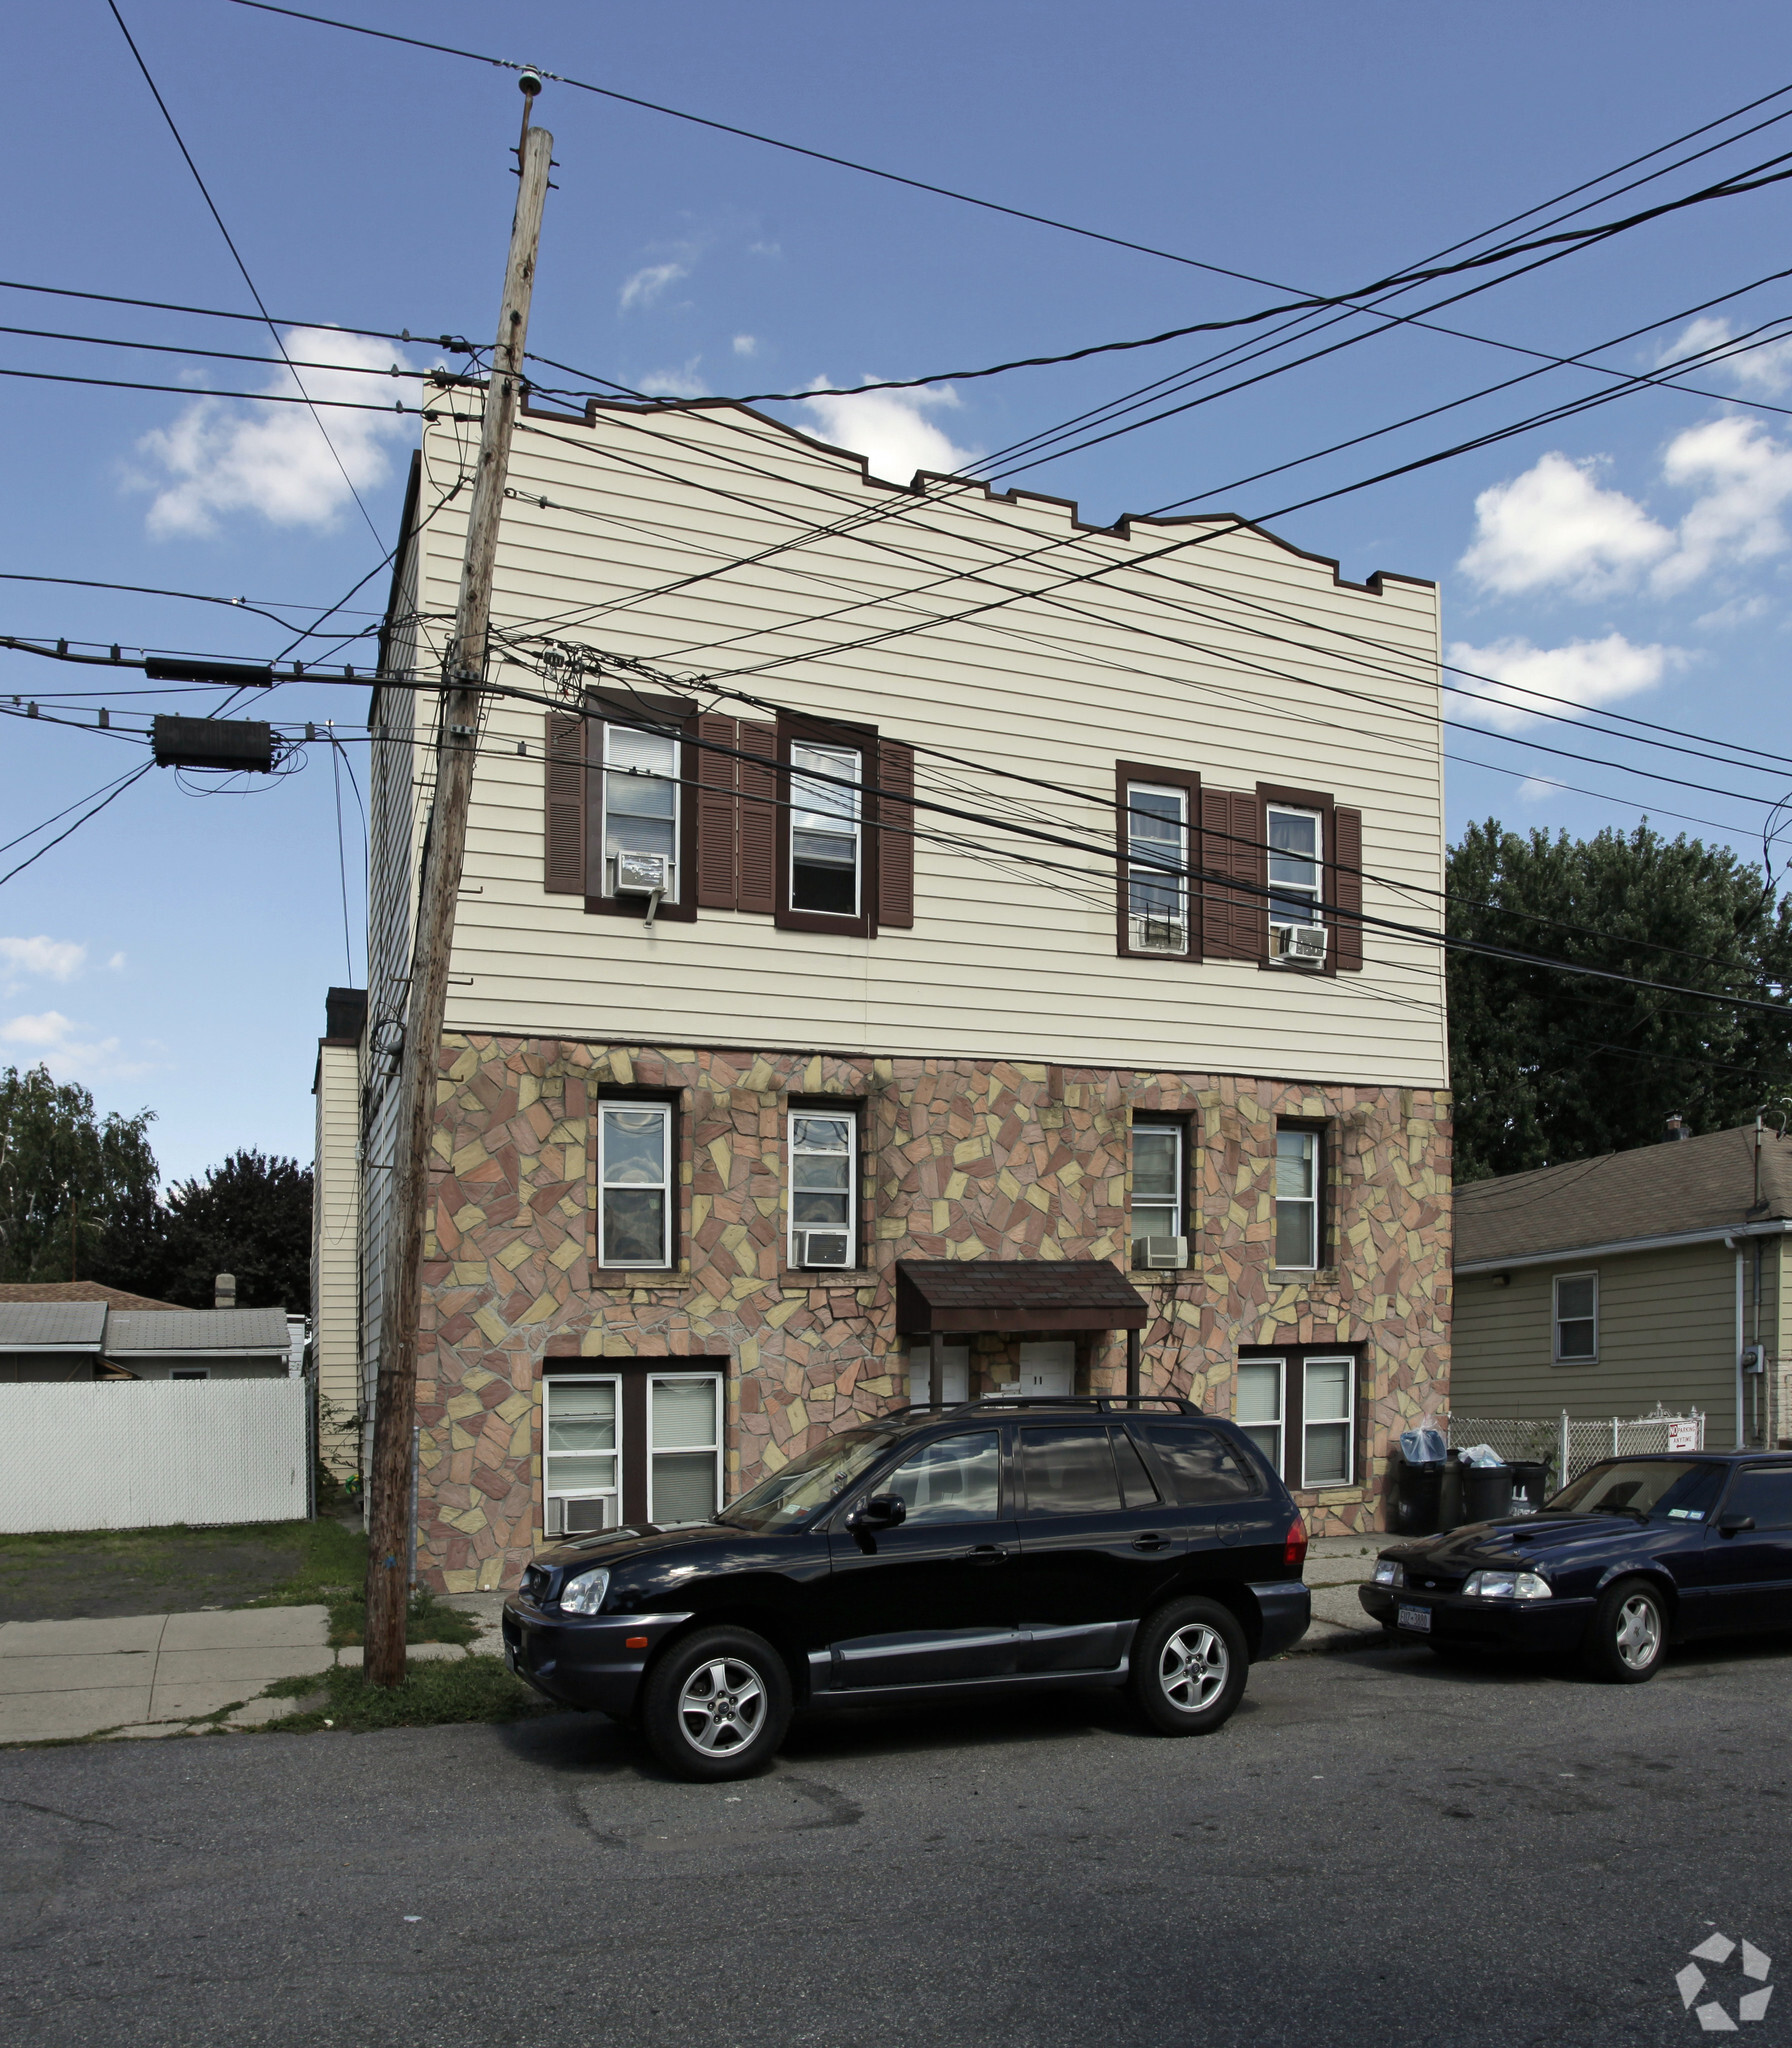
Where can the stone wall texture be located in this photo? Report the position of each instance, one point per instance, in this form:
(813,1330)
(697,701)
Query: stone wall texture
(962,1159)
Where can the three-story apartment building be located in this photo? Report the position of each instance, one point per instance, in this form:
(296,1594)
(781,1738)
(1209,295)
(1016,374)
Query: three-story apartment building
(910,939)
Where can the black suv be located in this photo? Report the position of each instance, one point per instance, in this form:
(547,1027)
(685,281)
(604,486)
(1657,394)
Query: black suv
(933,1555)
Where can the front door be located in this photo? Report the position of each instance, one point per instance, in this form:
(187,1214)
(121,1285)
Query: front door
(1748,1572)
(1096,1544)
(932,1600)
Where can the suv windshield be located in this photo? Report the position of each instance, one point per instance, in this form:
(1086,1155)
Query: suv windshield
(1643,1486)
(808,1483)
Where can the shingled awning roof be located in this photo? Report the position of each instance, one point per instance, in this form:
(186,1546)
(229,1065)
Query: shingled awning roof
(959,1297)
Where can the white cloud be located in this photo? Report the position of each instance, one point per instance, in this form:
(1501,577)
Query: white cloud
(1536,789)
(116,963)
(746,344)
(1555,525)
(682,382)
(887,428)
(60,959)
(1747,477)
(1735,611)
(273,459)
(49,1027)
(1765,367)
(52,1038)
(646,286)
(1589,671)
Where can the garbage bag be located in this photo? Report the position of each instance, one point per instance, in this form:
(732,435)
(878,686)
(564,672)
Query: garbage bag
(1423,1446)
(1481,1454)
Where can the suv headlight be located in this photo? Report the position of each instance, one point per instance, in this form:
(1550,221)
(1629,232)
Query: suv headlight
(585,1594)
(1506,1586)
(1388,1573)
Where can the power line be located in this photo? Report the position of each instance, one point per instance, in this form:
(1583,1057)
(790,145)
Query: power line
(129,780)
(455,344)
(300,397)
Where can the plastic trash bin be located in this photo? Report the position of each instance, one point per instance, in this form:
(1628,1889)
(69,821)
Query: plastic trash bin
(1486,1491)
(1414,1496)
(1530,1484)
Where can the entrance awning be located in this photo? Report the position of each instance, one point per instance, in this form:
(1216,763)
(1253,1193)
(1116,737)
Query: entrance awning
(962,1297)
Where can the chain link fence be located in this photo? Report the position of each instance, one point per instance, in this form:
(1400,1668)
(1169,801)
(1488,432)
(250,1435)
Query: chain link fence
(1568,1444)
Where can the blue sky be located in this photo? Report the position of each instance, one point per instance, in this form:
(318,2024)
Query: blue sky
(174,952)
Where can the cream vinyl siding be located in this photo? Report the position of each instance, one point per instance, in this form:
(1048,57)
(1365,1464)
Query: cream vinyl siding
(1001,961)
(1667,1334)
(336,1242)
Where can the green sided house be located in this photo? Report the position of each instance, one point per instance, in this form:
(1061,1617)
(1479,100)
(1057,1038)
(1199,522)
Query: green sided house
(1634,1282)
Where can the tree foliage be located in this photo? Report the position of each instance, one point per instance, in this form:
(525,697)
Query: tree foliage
(1548,1067)
(77,1191)
(250,1217)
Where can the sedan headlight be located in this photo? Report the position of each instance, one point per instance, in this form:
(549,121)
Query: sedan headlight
(1506,1586)
(1388,1573)
(585,1594)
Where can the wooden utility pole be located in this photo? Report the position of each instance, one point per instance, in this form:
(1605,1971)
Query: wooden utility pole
(389,1562)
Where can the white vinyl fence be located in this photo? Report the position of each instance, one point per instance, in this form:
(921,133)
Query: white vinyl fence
(139,1454)
(1569,1444)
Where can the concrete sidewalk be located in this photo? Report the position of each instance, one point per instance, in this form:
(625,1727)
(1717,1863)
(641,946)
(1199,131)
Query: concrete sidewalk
(159,1674)
(1336,1567)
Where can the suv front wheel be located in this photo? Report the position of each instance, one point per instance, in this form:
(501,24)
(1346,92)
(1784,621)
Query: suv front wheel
(1189,1663)
(717,1704)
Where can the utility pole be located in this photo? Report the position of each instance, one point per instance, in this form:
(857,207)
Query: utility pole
(389,1567)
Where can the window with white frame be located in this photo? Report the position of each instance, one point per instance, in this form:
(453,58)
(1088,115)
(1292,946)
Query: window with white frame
(1296,854)
(1157,838)
(1577,1318)
(1262,1385)
(581,1455)
(1297,1198)
(634,1224)
(1327,1421)
(642,800)
(823,1187)
(1157,1180)
(684,1463)
(825,835)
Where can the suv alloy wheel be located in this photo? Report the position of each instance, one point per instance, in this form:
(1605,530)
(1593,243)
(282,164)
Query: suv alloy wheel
(1189,1663)
(717,1704)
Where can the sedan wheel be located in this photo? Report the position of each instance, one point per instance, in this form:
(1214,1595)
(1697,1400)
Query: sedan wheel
(716,1704)
(1628,1633)
(1189,1663)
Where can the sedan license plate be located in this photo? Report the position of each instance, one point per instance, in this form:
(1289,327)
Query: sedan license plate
(1416,1617)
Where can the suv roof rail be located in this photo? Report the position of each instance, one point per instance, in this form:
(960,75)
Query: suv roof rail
(1100,1404)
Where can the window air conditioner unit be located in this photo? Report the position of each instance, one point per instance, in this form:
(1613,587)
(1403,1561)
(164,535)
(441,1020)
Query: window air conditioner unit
(824,1247)
(1304,943)
(641,874)
(1159,935)
(1162,1254)
(576,1517)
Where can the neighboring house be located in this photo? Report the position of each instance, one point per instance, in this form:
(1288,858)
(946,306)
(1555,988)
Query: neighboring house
(336,1231)
(1637,1280)
(757,1080)
(74,1330)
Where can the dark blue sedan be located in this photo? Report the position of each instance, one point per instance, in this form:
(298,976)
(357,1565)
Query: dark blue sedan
(1635,1554)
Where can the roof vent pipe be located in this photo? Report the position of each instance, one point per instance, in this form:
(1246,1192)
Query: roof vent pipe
(224,1290)
(1677,1128)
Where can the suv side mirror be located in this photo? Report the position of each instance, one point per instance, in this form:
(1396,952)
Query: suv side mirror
(881,1511)
(1733,1525)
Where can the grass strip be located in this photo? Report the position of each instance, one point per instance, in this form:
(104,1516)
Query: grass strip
(458,1689)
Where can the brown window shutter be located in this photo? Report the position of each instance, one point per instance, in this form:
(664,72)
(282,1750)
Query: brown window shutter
(896,849)
(564,869)
(1234,922)
(1347,889)
(760,818)
(718,813)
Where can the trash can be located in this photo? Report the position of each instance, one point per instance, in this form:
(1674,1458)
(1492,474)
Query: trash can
(1530,1484)
(1414,1495)
(1486,1491)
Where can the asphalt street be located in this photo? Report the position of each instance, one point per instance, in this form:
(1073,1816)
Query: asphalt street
(1379,1848)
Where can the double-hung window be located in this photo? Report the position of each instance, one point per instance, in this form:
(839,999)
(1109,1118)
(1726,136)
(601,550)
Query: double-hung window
(1577,1318)
(684,1463)
(1298,1161)
(634,1225)
(1157,1183)
(826,830)
(1157,842)
(823,1176)
(1296,857)
(1300,1412)
(642,807)
(580,1483)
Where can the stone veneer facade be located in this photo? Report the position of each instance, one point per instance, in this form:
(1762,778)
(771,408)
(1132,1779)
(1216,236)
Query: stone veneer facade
(962,1159)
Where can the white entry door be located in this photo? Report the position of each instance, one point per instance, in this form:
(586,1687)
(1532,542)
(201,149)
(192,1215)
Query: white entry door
(1048,1368)
(958,1372)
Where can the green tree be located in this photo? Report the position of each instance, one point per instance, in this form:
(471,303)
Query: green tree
(1549,1067)
(251,1217)
(77,1192)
